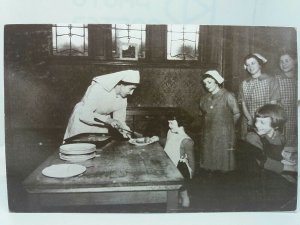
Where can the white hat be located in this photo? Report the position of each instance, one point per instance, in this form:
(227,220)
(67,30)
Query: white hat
(263,59)
(131,76)
(109,81)
(215,74)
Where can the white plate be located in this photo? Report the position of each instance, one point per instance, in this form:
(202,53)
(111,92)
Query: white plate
(77,158)
(77,152)
(77,146)
(288,162)
(63,170)
(82,148)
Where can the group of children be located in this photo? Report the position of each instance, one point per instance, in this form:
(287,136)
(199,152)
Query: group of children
(266,140)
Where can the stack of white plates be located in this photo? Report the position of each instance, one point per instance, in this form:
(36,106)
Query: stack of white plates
(77,152)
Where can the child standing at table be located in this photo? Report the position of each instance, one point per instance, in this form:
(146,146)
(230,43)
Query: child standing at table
(180,148)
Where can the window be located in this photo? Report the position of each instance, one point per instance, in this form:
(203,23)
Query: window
(182,42)
(128,41)
(70,40)
(105,43)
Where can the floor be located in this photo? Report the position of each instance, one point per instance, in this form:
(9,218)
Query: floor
(236,191)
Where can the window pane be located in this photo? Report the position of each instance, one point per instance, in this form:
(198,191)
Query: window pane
(183,42)
(70,39)
(129,41)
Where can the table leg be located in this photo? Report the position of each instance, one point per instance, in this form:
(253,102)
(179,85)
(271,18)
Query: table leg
(172,201)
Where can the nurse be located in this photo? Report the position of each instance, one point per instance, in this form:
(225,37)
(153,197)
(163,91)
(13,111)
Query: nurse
(104,103)
(220,112)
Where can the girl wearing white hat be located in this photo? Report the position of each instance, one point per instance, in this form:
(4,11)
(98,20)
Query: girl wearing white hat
(256,91)
(220,111)
(106,96)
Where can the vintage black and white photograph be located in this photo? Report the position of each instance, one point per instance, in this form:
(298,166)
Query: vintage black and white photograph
(150,118)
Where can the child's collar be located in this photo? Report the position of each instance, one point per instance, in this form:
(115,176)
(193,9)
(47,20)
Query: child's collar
(272,136)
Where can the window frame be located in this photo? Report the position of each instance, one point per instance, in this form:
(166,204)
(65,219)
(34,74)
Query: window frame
(148,61)
(182,40)
(70,34)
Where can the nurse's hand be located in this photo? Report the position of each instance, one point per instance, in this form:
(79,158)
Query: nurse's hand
(126,134)
(115,123)
(250,122)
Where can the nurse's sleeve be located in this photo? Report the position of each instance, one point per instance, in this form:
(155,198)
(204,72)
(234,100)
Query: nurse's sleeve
(201,112)
(233,105)
(274,91)
(187,151)
(90,102)
(120,115)
(241,97)
(242,100)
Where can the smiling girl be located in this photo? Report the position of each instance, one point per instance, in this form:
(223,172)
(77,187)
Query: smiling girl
(267,136)
(256,91)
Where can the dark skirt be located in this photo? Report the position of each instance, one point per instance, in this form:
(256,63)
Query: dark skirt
(183,169)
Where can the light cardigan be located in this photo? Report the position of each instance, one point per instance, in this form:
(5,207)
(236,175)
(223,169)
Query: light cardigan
(180,147)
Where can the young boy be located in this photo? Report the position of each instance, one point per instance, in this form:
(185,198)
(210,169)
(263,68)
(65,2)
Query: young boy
(267,140)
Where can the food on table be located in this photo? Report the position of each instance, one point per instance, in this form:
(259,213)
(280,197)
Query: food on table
(144,140)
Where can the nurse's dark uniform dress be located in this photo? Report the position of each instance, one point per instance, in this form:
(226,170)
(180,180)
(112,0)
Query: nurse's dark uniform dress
(218,138)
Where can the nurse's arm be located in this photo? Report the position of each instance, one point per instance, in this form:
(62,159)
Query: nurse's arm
(90,102)
(88,116)
(120,115)
(247,114)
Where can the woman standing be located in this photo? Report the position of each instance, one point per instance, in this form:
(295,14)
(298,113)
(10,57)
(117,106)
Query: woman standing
(256,91)
(220,111)
(105,100)
(288,91)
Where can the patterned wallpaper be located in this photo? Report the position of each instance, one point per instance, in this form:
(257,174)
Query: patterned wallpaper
(167,87)
(44,98)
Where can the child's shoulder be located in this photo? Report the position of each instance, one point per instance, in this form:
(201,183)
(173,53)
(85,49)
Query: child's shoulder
(188,141)
(277,139)
(205,96)
(253,139)
(227,93)
(247,80)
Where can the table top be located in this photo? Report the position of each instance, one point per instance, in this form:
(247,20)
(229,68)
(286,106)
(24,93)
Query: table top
(121,166)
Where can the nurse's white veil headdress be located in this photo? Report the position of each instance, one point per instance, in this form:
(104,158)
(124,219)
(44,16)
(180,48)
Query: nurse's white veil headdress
(215,74)
(263,59)
(109,81)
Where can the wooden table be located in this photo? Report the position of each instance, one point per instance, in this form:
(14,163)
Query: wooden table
(122,174)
